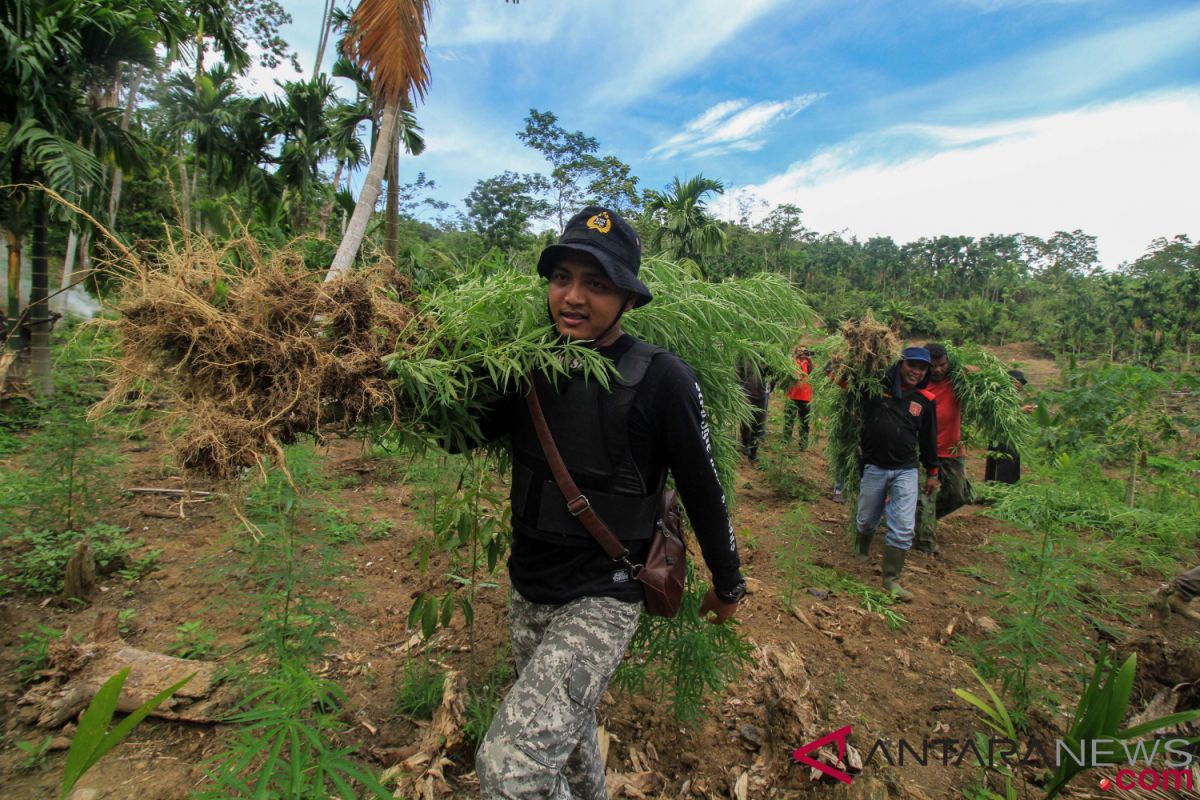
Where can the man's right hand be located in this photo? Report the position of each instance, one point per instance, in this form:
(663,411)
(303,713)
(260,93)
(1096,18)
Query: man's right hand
(721,611)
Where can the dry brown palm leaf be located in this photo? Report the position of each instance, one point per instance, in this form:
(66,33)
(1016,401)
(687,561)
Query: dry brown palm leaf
(386,38)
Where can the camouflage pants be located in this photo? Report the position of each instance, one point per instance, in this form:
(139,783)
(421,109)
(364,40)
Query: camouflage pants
(542,742)
(954,493)
(1188,584)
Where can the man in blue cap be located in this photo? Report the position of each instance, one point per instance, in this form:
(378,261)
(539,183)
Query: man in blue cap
(898,423)
(574,609)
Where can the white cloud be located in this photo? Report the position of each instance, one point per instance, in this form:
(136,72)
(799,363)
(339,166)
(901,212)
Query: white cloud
(1125,172)
(647,45)
(1063,74)
(729,126)
(714,115)
(458,24)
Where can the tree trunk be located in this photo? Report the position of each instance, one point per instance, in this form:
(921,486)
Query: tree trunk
(391,237)
(85,253)
(60,299)
(323,39)
(356,229)
(185,212)
(327,209)
(14,273)
(1133,476)
(39,308)
(114,194)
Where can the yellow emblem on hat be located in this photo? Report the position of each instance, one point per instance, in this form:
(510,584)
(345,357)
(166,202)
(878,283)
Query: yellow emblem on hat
(600,222)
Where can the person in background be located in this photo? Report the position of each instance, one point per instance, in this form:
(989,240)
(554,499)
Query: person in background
(955,490)
(758,395)
(800,395)
(1003,463)
(899,431)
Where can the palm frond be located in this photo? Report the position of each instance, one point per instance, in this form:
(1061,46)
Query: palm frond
(68,168)
(387,40)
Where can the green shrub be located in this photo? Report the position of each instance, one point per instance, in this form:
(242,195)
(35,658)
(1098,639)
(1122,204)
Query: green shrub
(41,556)
(685,659)
(35,651)
(421,689)
(286,743)
(192,640)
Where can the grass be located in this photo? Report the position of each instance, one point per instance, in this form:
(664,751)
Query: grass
(484,698)
(420,689)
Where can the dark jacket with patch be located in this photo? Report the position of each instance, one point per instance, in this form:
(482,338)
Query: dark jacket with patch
(898,424)
(619,446)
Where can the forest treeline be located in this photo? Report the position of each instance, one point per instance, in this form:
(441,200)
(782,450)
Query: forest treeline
(137,114)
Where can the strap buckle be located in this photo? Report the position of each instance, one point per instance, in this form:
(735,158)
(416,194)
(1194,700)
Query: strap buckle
(634,569)
(575,508)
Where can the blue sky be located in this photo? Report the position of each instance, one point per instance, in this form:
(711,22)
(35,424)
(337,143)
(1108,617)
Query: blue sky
(905,119)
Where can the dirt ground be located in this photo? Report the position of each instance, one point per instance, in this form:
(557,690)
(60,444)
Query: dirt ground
(825,665)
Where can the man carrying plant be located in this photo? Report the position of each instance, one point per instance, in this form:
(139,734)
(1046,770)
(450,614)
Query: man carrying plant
(575,609)
(1003,465)
(758,395)
(800,395)
(955,490)
(898,422)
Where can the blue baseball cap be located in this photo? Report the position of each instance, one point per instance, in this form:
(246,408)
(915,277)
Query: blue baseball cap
(916,354)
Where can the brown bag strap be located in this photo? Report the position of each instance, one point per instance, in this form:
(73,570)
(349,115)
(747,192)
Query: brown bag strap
(577,503)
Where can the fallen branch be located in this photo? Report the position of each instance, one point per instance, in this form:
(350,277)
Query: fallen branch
(90,664)
(168,492)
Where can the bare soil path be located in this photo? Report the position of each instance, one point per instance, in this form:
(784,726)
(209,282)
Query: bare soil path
(821,664)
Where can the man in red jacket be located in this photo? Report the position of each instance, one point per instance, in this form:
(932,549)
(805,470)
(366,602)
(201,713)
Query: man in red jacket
(955,490)
(801,398)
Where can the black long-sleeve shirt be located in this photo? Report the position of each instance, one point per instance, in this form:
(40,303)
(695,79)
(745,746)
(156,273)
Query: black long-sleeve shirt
(668,430)
(898,424)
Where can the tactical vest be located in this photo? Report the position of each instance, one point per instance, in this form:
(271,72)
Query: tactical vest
(591,429)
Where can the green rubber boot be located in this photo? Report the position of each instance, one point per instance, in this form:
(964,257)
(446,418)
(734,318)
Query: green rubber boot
(1183,607)
(862,546)
(893,565)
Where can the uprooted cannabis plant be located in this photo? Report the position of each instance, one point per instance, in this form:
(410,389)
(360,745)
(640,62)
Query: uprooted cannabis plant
(256,351)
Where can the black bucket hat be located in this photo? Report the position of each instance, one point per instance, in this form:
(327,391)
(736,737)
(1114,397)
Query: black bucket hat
(602,234)
(1018,376)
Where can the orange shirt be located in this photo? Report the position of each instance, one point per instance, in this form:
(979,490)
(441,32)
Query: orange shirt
(949,419)
(802,390)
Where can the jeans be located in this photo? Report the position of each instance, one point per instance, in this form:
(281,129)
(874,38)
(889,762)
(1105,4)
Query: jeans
(894,491)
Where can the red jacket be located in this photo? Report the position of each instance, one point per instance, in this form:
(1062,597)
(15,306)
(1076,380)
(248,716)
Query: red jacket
(802,390)
(949,419)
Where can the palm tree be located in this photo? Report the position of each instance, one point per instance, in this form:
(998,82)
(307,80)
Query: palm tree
(414,144)
(686,231)
(302,116)
(345,147)
(386,38)
(199,111)
(50,132)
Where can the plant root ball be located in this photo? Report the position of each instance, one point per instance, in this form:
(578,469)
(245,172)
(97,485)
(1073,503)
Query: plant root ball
(258,354)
